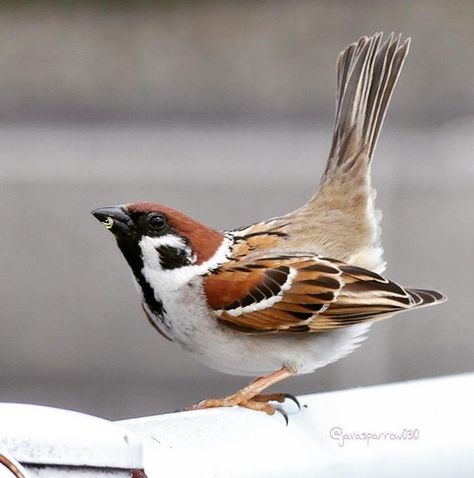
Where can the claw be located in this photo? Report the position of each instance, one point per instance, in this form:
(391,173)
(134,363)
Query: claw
(277,397)
(293,398)
(283,413)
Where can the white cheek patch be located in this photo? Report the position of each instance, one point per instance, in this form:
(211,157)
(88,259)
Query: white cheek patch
(151,258)
(166,240)
(163,280)
(150,246)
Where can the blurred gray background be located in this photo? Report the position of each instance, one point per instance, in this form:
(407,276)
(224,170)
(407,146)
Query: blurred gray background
(222,109)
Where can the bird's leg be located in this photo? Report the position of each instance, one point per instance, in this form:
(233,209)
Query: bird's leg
(250,396)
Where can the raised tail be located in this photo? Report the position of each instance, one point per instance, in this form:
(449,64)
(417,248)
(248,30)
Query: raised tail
(367,72)
(340,220)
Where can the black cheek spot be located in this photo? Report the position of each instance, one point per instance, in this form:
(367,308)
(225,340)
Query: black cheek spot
(172,257)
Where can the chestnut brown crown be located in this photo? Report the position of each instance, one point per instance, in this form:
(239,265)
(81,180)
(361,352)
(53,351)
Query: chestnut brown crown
(133,221)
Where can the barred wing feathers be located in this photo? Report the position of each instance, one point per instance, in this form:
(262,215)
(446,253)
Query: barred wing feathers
(304,293)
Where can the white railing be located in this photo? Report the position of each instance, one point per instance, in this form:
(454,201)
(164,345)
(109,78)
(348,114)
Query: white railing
(423,428)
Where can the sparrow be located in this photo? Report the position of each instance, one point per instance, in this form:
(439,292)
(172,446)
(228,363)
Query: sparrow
(287,295)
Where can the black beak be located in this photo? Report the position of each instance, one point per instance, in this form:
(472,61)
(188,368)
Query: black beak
(114,218)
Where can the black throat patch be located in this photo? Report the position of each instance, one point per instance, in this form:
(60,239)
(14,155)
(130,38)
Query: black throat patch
(133,255)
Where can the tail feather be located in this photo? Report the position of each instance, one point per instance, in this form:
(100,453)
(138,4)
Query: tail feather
(340,220)
(424,297)
(366,76)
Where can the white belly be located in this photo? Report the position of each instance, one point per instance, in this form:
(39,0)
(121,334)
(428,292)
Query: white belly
(237,353)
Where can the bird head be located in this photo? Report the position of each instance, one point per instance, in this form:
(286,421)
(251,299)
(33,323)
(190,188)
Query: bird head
(158,237)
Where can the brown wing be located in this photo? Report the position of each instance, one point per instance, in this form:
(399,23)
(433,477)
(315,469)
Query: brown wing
(301,293)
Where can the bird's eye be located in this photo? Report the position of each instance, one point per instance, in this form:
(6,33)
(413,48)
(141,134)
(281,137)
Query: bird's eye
(157,222)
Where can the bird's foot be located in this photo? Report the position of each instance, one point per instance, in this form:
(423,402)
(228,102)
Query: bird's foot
(258,403)
(252,397)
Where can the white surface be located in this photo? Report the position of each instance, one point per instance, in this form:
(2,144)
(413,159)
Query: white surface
(43,435)
(243,443)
